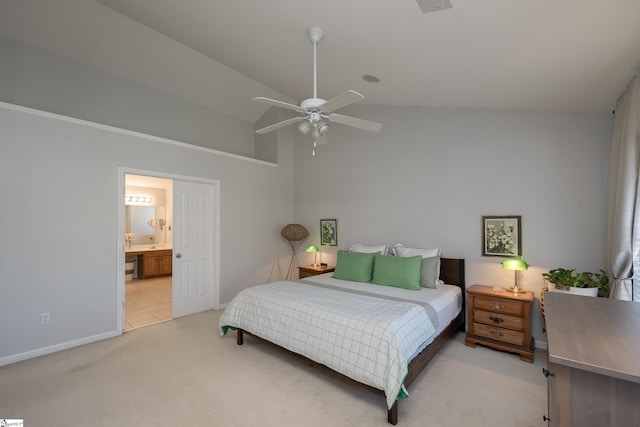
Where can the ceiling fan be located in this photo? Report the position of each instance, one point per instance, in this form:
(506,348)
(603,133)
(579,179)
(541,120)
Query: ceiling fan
(316,113)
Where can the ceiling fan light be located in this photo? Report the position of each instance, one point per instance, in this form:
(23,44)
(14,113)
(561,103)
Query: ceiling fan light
(323,127)
(304,127)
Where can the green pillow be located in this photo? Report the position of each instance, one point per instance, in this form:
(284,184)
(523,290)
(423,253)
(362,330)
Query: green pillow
(396,271)
(354,266)
(428,272)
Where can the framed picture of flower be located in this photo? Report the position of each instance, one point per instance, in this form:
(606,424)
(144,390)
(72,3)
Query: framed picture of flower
(329,232)
(502,235)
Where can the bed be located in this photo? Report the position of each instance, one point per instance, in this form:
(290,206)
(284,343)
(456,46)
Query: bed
(374,335)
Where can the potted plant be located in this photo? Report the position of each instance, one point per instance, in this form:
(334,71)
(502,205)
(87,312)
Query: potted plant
(585,283)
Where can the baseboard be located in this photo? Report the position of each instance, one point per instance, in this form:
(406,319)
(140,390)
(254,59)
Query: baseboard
(7,360)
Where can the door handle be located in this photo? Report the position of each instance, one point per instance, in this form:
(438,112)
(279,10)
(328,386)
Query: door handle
(178,255)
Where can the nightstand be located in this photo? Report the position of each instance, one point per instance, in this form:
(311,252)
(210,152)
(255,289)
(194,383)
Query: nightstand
(311,270)
(500,319)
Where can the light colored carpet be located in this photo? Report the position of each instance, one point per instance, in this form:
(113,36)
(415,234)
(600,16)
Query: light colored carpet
(181,373)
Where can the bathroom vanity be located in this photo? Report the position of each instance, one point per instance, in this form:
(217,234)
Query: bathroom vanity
(152,261)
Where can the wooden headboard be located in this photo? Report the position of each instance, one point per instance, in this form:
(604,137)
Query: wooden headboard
(452,272)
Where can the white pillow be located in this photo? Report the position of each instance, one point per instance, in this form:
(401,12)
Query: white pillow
(369,249)
(400,251)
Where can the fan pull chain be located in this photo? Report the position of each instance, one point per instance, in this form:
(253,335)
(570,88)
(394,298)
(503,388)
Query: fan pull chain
(313,153)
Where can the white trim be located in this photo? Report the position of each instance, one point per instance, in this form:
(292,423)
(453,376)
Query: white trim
(14,358)
(73,120)
(120,256)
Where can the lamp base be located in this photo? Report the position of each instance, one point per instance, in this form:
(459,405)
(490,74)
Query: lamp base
(515,289)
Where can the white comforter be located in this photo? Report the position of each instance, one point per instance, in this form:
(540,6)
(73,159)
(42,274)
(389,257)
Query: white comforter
(368,339)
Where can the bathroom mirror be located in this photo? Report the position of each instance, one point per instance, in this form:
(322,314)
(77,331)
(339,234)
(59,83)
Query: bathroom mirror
(137,221)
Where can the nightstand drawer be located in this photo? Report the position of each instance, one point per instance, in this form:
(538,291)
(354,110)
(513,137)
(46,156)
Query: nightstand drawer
(499,305)
(498,334)
(499,320)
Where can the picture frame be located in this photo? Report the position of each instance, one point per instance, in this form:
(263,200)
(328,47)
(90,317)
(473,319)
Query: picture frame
(329,232)
(502,235)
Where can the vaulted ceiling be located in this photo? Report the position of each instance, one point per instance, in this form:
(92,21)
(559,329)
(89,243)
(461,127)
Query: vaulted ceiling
(524,54)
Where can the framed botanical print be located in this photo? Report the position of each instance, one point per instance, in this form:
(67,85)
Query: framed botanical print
(329,232)
(502,235)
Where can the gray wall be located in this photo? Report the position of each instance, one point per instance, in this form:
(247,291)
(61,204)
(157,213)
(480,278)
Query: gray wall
(424,180)
(38,79)
(59,186)
(59,252)
(430,174)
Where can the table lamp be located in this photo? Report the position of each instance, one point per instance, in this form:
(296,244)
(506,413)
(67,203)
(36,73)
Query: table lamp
(315,251)
(516,264)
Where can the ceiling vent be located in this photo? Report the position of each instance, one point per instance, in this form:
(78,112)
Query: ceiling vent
(434,5)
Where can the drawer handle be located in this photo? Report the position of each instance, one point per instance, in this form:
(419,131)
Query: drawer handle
(546,372)
(496,319)
(496,334)
(496,306)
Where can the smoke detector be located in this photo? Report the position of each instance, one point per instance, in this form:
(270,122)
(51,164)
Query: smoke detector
(434,5)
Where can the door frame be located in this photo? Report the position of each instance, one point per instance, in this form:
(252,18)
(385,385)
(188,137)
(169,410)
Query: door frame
(120,243)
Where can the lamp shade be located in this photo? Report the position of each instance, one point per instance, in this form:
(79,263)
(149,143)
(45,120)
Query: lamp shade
(514,264)
(312,249)
(294,232)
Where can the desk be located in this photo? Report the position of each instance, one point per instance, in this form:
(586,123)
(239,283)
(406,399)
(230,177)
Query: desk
(593,361)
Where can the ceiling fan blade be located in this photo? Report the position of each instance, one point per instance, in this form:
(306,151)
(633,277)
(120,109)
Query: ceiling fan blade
(280,125)
(358,123)
(345,98)
(280,104)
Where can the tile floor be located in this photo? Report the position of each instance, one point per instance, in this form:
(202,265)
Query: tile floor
(147,301)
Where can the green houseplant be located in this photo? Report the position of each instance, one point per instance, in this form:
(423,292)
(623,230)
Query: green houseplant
(564,279)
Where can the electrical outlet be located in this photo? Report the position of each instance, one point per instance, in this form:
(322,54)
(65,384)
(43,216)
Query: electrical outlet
(45,318)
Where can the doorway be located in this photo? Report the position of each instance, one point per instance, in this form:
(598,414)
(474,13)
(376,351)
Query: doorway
(191,237)
(148,296)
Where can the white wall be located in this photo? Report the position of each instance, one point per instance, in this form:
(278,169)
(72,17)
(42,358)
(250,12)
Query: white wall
(59,252)
(427,178)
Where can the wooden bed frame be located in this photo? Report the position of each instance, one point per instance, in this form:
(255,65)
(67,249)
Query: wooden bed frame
(451,272)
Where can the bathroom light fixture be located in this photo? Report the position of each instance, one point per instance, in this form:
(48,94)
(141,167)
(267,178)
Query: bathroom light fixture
(137,199)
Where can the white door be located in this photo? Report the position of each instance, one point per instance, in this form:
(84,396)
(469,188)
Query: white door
(193,205)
